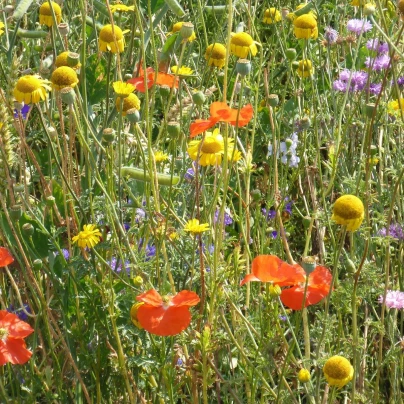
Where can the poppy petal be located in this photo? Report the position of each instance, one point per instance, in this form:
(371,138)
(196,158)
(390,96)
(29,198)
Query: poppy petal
(245,116)
(220,111)
(166,79)
(185,298)
(15,327)
(249,278)
(5,257)
(14,351)
(164,322)
(200,125)
(320,276)
(293,297)
(151,297)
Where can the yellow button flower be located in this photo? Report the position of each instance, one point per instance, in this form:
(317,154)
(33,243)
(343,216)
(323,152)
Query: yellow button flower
(177,28)
(305,27)
(133,314)
(216,55)
(348,211)
(272,15)
(61,60)
(241,44)
(106,40)
(305,68)
(338,371)
(31,89)
(194,227)
(129,102)
(64,76)
(45,13)
(303,376)
(89,237)
(123,89)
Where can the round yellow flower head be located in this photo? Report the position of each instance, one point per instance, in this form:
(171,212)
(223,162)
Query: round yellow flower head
(303,376)
(241,44)
(61,60)
(64,76)
(31,89)
(194,227)
(182,71)
(305,27)
(348,211)
(305,68)
(216,55)
(393,107)
(338,371)
(106,40)
(129,102)
(177,28)
(45,13)
(210,152)
(133,314)
(272,15)
(89,237)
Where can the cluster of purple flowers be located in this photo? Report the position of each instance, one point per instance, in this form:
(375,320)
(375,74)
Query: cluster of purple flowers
(394,299)
(358,81)
(376,46)
(288,150)
(382,60)
(116,265)
(24,111)
(150,250)
(395,230)
(228,220)
(359,26)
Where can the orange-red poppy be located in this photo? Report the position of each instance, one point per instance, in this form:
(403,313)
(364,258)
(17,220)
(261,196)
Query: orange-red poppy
(152,77)
(167,315)
(12,333)
(5,257)
(317,289)
(270,268)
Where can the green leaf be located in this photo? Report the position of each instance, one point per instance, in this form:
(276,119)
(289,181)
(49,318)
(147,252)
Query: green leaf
(169,44)
(96,71)
(21,9)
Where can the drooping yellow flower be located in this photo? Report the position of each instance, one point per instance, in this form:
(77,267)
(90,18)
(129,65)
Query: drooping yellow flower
(61,60)
(45,13)
(303,376)
(357,3)
(31,89)
(89,237)
(133,314)
(305,68)
(272,15)
(182,71)
(64,76)
(338,371)
(118,6)
(123,89)
(216,55)
(107,41)
(194,227)
(129,102)
(393,107)
(177,28)
(241,44)
(305,27)
(348,211)
(1,28)
(160,157)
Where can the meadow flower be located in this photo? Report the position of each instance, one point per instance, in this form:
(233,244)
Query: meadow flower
(12,345)
(189,174)
(111,41)
(45,13)
(129,102)
(348,211)
(358,81)
(65,253)
(305,68)
(394,106)
(303,376)
(375,88)
(123,89)
(1,28)
(61,60)
(177,28)
(182,71)
(64,76)
(357,26)
(377,46)
(31,89)
(160,157)
(378,63)
(167,315)
(23,111)
(395,230)
(271,16)
(194,227)
(394,299)
(357,3)
(159,78)
(216,55)
(5,257)
(116,265)
(241,44)
(305,27)
(133,314)
(338,371)
(88,237)
(227,217)
(21,313)
(330,35)
(122,8)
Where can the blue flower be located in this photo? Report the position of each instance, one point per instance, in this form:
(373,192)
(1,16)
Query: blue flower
(116,265)
(20,312)
(24,111)
(227,218)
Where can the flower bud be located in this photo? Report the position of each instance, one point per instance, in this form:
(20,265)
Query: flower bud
(309,264)
(198,98)
(370,109)
(165,91)
(305,122)
(187,29)
(291,54)
(50,201)
(256,195)
(373,150)
(108,135)
(138,281)
(37,264)
(8,9)
(273,100)
(52,132)
(73,59)
(369,9)
(133,115)
(243,67)
(15,212)
(28,229)
(67,95)
(303,376)
(274,291)
(18,187)
(173,128)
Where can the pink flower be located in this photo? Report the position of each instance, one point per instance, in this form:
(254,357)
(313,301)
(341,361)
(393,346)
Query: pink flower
(394,299)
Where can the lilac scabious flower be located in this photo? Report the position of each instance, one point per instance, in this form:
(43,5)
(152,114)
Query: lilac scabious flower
(375,88)
(400,81)
(378,63)
(394,299)
(377,46)
(395,230)
(227,217)
(359,26)
(116,265)
(65,254)
(358,81)
(330,35)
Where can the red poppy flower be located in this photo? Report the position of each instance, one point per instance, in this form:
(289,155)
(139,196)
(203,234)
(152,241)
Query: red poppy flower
(318,288)
(5,257)
(167,315)
(200,126)
(270,268)
(153,78)
(12,333)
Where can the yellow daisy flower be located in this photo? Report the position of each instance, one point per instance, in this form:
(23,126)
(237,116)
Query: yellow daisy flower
(123,89)
(61,60)
(194,227)
(1,28)
(305,68)
(129,102)
(133,314)
(272,15)
(182,71)
(106,40)
(177,28)
(216,55)
(64,76)
(305,27)
(89,237)
(393,107)
(211,151)
(118,6)
(241,44)
(160,157)
(31,89)
(348,211)
(45,13)
(338,371)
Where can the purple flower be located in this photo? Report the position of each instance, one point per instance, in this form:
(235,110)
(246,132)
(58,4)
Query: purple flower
(400,81)
(395,230)
(282,318)
(274,234)
(227,218)
(116,265)
(394,299)
(288,207)
(150,250)
(358,81)
(65,253)
(375,88)
(330,35)
(126,226)
(270,214)
(140,215)
(189,175)
(180,362)
(378,63)
(24,111)
(377,46)
(20,312)
(359,26)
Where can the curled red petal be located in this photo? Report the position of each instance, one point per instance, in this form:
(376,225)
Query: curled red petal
(199,126)
(14,350)
(5,257)
(151,297)
(185,298)
(249,278)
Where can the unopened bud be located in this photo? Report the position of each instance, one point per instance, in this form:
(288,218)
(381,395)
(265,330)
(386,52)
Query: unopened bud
(28,229)
(187,29)
(173,128)
(133,115)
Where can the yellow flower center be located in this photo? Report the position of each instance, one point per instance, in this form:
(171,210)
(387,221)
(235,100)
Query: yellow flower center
(216,51)
(64,76)
(3,334)
(45,9)
(106,34)
(28,84)
(212,145)
(305,65)
(242,39)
